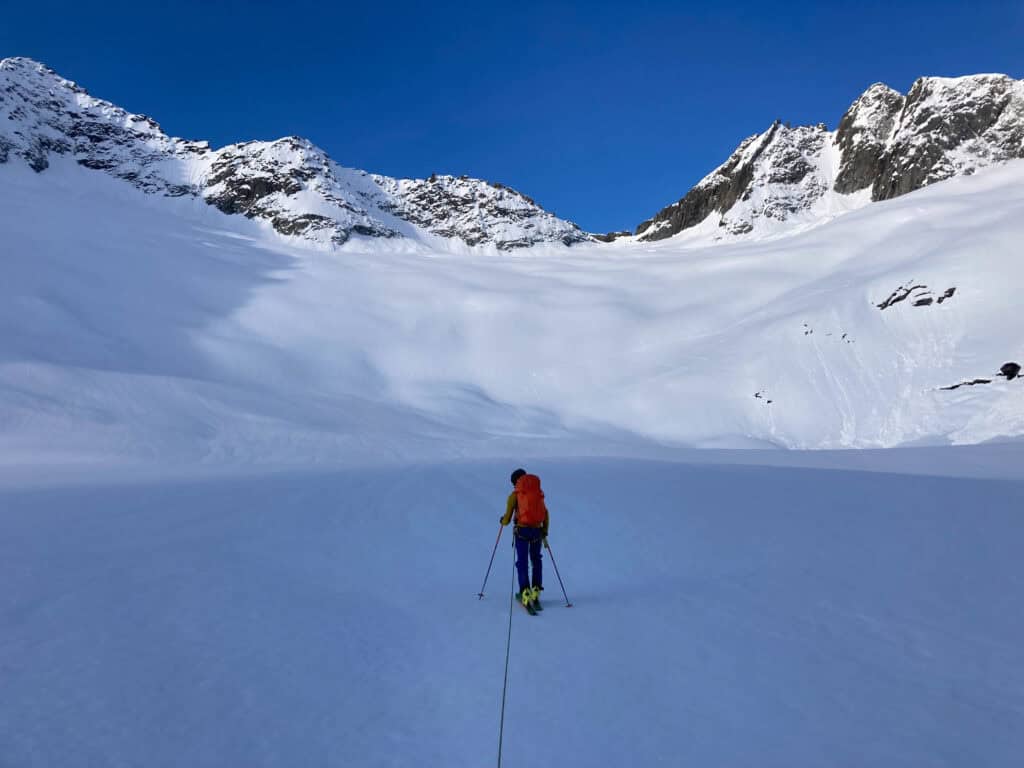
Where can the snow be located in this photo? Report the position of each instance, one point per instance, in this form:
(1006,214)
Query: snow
(249,485)
(285,182)
(117,322)
(944,127)
(723,615)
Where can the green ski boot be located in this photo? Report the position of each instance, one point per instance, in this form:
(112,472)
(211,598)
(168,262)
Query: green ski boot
(525,598)
(536,598)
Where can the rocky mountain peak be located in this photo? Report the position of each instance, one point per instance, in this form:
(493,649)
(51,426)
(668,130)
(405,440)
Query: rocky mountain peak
(290,183)
(476,211)
(886,142)
(864,133)
(951,127)
(769,177)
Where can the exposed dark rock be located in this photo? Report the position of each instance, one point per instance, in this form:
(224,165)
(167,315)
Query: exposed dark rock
(769,177)
(1009,371)
(863,134)
(980,117)
(971,383)
(37,158)
(610,237)
(474,211)
(898,295)
(289,183)
(888,143)
(716,192)
(297,225)
(920,293)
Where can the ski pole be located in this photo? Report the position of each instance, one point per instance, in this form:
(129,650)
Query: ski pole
(480,594)
(552,556)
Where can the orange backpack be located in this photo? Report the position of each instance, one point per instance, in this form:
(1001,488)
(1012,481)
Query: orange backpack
(530,509)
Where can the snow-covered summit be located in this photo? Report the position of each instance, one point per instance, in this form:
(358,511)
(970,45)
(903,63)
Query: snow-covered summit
(290,183)
(43,114)
(886,145)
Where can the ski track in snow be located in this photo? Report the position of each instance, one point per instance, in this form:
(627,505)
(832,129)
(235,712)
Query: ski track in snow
(723,615)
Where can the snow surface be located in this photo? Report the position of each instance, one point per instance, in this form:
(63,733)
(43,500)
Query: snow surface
(140,328)
(248,488)
(722,615)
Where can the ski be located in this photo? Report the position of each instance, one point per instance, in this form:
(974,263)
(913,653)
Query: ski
(528,607)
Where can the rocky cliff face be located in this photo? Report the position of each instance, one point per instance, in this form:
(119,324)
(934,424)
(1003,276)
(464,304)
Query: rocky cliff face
(863,136)
(42,114)
(887,143)
(951,127)
(290,183)
(768,178)
(474,211)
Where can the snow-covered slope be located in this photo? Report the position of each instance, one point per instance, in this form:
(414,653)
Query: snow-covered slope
(289,183)
(886,145)
(139,321)
(141,326)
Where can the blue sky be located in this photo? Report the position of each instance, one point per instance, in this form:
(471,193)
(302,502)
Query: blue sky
(602,112)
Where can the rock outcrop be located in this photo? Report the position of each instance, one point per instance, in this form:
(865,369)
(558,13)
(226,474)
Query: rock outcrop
(474,211)
(887,143)
(951,127)
(290,183)
(769,177)
(864,134)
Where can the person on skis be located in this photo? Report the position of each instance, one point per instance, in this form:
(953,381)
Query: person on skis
(525,508)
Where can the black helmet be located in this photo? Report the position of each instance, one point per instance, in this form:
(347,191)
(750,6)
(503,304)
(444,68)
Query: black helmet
(517,474)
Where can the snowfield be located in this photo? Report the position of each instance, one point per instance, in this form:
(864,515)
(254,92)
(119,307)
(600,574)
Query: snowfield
(248,489)
(145,328)
(724,615)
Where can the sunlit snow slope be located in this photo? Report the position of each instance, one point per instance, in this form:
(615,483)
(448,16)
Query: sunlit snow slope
(143,327)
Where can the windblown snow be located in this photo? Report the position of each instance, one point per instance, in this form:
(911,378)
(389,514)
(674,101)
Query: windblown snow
(145,327)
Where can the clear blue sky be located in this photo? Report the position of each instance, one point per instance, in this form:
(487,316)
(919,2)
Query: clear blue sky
(602,112)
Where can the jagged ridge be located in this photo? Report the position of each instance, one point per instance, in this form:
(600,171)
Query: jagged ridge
(290,183)
(886,142)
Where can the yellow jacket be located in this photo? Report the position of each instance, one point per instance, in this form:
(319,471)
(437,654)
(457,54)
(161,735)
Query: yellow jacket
(510,511)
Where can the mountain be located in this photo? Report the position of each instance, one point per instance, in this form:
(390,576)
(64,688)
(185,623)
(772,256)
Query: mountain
(780,181)
(289,183)
(886,145)
(150,327)
(163,299)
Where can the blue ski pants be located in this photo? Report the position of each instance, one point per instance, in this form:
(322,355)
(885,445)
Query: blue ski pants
(528,544)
